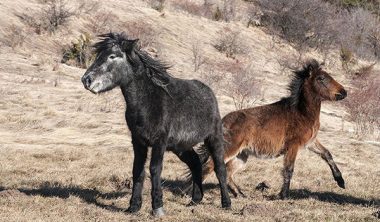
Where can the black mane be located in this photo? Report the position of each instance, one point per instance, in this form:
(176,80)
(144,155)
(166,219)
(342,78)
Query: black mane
(156,69)
(298,79)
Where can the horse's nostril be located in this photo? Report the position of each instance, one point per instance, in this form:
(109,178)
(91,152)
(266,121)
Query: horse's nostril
(88,81)
(341,95)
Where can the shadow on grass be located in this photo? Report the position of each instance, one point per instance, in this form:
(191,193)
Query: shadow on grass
(178,187)
(329,197)
(88,195)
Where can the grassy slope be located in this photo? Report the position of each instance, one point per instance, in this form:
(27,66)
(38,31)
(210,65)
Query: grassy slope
(65,153)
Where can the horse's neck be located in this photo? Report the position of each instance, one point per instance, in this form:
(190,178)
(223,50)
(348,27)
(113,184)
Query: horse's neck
(310,106)
(138,92)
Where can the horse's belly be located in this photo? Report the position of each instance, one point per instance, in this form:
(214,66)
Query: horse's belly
(266,149)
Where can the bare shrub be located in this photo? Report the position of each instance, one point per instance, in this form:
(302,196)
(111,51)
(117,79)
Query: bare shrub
(213,79)
(53,14)
(143,31)
(14,36)
(347,59)
(87,7)
(198,55)
(158,5)
(301,22)
(359,32)
(321,25)
(204,10)
(103,22)
(364,72)
(229,42)
(217,14)
(363,102)
(79,53)
(229,10)
(242,87)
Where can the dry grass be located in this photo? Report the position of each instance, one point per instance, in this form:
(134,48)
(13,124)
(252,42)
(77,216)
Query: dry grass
(66,155)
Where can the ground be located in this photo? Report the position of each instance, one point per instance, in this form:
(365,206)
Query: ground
(66,155)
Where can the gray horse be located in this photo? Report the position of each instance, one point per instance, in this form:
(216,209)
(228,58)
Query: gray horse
(163,112)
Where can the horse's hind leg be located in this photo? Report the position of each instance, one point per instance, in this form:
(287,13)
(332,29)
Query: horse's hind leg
(290,158)
(233,166)
(326,156)
(215,145)
(191,159)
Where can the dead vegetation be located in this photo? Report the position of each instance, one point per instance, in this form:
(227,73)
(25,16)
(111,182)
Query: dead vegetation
(79,53)
(14,36)
(363,105)
(66,154)
(243,87)
(230,43)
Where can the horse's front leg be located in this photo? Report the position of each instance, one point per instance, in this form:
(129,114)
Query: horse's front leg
(326,156)
(287,173)
(155,172)
(140,153)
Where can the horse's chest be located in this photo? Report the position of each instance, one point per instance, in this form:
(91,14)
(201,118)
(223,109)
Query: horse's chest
(312,134)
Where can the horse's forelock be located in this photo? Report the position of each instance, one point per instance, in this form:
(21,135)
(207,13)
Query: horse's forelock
(299,78)
(108,40)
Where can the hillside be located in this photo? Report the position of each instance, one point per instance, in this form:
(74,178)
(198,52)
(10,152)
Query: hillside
(66,155)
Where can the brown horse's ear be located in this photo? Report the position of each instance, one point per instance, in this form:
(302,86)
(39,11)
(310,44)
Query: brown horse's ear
(312,66)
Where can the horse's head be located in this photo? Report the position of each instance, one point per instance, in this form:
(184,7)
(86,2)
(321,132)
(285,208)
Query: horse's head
(111,66)
(323,85)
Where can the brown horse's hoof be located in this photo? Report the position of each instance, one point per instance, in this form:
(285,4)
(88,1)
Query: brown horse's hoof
(159,212)
(340,182)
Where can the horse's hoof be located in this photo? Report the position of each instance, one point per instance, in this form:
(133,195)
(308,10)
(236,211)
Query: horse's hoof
(226,205)
(242,195)
(159,212)
(283,196)
(132,209)
(340,182)
(194,203)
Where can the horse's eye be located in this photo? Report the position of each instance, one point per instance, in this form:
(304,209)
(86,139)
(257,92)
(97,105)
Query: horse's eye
(112,56)
(320,78)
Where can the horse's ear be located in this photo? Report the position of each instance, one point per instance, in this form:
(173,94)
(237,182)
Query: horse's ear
(312,66)
(130,45)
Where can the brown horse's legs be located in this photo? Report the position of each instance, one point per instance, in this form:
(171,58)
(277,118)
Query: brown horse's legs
(290,158)
(233,166)
(326,156)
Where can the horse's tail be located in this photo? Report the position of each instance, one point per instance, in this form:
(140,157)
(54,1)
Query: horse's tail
(204,157)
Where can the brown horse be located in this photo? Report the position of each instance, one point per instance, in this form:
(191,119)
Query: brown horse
(280,128)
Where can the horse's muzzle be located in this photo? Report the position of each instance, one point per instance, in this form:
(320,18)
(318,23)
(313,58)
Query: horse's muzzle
(87,80)
(341,95)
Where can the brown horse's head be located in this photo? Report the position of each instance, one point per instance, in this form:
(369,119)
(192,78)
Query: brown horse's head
(316,83)
(324,85)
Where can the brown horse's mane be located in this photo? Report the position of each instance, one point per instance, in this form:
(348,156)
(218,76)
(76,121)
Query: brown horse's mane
(298,79)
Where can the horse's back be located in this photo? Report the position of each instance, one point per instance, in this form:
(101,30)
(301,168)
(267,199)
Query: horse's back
(194,112)
(261,129)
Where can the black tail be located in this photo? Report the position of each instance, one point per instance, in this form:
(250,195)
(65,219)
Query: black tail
(204,155)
